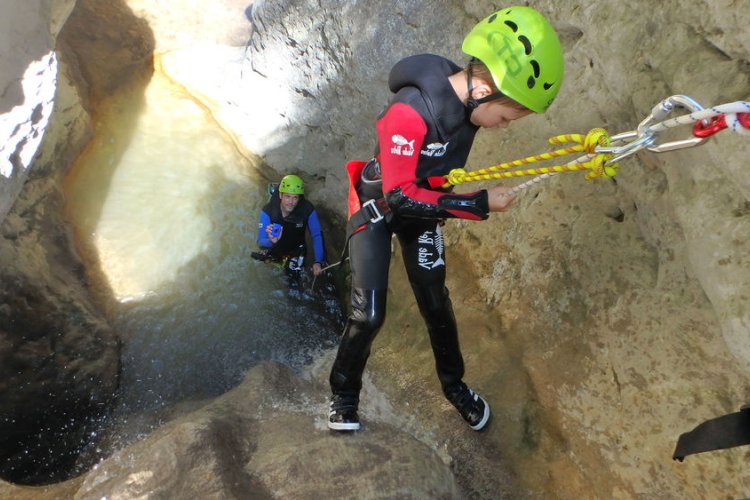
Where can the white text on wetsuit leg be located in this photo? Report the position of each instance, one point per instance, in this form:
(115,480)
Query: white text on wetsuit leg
(427,257)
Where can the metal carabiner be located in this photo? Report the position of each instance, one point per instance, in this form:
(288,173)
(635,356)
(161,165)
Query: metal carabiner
(633,143)
(666,107)
(660,112)
(674,145)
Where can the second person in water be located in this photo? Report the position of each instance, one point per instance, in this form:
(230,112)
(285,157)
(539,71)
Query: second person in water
(282,226)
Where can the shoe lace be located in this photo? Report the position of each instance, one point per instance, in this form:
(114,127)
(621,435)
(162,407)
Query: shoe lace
(344,403)
(465,400)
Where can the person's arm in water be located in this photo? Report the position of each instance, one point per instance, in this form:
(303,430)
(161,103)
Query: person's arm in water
(400,187)
(316,233)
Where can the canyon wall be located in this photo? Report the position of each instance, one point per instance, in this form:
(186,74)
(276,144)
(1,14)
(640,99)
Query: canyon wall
(601,318)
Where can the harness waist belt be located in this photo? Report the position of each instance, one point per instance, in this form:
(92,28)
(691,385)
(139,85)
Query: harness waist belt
(372,211)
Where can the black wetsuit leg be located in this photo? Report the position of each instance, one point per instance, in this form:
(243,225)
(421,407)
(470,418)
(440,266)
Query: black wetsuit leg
(424,258)
(369,258)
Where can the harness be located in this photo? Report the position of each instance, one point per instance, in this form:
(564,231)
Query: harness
(365,179)
(366,175)
(372,211)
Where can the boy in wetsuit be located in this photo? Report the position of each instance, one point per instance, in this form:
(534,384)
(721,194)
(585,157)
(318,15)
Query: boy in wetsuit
(428,129)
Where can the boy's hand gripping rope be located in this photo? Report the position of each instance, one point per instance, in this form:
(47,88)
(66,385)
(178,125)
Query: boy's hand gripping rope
(604,152)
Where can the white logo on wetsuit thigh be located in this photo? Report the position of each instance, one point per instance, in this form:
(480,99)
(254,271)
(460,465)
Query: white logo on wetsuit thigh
(430,252)
(401,146)
(295,263)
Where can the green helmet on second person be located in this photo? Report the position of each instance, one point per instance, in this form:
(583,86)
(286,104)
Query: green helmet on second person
(292,184)
(522,52)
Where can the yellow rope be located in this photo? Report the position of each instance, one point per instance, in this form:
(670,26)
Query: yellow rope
(588,143)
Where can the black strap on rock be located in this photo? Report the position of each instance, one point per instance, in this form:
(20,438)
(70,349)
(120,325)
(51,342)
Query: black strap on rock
(727,431)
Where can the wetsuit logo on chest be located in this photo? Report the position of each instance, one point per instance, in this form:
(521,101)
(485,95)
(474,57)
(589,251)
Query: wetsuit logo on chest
(435,149)
(430,253)
(402,146)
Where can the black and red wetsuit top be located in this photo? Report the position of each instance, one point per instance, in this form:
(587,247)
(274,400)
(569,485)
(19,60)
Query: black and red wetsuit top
(425,131)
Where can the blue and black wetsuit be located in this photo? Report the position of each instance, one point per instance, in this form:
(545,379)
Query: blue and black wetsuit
(425,131)
(291,246)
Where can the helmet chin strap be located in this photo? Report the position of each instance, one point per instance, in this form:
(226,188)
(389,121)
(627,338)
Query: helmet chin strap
(471,103)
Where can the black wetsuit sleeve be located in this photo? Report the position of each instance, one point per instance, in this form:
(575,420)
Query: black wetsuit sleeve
(448,205)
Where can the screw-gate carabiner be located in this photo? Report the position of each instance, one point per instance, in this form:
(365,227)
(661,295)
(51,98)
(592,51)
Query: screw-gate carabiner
(660,112)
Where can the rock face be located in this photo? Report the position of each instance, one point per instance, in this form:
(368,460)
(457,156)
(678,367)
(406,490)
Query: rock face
(600,319)
(611,300)
(59,359)
(28,81)
(232,448)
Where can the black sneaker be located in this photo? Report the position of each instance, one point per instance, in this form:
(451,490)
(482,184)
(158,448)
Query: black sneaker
(471,406)
(343,413)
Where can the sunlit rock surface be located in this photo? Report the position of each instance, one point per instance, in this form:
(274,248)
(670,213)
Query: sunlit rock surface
(599,319)
(28,81)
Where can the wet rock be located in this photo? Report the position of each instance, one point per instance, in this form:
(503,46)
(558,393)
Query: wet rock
(266,438)
(59,359)
(109,43)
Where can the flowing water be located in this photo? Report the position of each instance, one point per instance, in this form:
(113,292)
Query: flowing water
(165,209)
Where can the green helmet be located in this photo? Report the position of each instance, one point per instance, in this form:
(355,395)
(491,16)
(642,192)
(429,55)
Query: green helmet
(291,184)
(523,54)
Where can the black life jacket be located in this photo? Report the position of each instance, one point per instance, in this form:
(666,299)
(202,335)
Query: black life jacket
(292,242)
(421,82)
